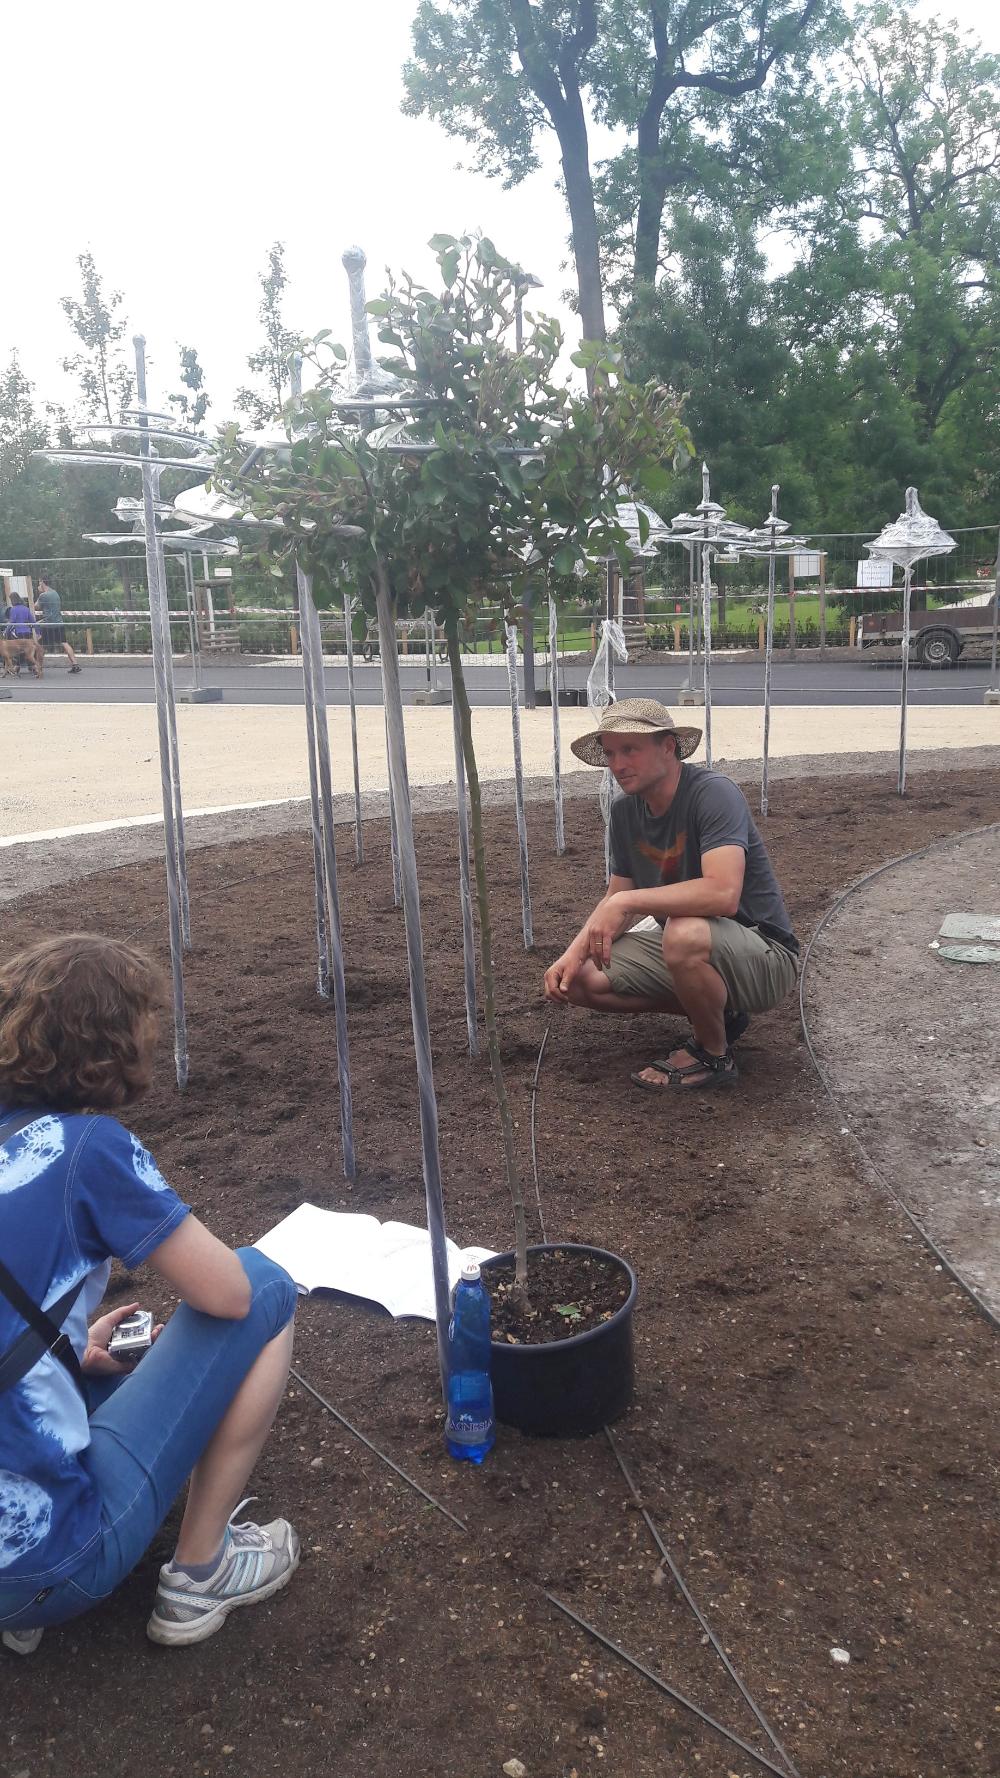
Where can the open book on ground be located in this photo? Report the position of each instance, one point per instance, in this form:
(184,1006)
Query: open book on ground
(387,1262)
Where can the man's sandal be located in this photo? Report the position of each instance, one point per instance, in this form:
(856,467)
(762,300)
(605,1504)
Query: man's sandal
(718,1071)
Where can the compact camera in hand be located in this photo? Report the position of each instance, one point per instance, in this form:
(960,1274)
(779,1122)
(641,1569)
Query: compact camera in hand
(132,1338)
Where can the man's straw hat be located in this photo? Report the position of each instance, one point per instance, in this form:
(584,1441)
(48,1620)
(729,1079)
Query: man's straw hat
(634,716)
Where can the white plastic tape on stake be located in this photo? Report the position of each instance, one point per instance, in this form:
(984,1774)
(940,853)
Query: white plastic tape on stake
(522,826)
(904,680)
(397,891)
(315,814)
(430,1149)
(315,667)
(599,696)
(706,634)
(163,737)
(162,618)
(557,789)
(765,763)
(359,840)
(465,885)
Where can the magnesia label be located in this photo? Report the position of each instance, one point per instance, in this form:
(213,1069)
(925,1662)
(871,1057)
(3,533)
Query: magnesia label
(468,1432)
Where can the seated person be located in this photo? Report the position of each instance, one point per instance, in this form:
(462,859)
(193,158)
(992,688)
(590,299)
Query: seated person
(685,850)
(19,621)
(92,1456)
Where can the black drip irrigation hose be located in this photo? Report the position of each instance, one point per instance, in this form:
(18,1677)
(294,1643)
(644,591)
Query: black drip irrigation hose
(940,1256)
(791,1770)
(381,1455)
(661,1685)
(788,1771)
(689,1600)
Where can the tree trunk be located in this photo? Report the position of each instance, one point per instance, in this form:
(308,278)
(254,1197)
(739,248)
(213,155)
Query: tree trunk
(649,215)
(461,696)
(572,131)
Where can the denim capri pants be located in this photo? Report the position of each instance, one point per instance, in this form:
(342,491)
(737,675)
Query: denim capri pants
(146,1435)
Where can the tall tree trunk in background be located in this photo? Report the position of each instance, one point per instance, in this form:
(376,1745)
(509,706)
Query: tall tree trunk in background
(556,85)
(575,156)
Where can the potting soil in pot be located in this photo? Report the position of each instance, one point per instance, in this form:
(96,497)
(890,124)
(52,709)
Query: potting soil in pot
(568,1293)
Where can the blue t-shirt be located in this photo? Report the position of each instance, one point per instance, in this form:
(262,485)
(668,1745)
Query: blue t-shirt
(75,1191)
(20,620)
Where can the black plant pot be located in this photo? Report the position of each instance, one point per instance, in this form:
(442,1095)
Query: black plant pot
(573,1386)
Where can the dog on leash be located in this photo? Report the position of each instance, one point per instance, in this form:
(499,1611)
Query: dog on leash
(15,649)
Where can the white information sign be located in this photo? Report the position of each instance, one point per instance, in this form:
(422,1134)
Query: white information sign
(874,573)
(808,565)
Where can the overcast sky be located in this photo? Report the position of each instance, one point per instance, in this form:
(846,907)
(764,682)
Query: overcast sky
(174,144)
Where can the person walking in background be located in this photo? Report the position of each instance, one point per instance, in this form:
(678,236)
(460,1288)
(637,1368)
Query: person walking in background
(53,630)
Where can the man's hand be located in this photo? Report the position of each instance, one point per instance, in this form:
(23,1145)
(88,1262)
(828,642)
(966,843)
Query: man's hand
(606,923)
(97,1360)
(559,974)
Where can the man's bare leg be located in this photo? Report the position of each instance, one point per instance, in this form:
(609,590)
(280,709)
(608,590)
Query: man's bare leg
(701,994)
(592,988)
(687,948)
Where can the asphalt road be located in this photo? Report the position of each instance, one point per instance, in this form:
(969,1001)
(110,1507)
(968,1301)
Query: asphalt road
(870,680)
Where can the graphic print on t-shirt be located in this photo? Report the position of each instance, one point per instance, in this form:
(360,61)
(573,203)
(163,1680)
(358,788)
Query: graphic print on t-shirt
(75,1191)
(667,862)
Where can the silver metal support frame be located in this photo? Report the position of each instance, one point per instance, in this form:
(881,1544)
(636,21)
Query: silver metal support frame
(522,827)
(430,1147)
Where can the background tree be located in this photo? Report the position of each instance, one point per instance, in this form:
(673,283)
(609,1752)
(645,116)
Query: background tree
(497,73)
(870,361)
(270,360)
(21,428)
(192,400)
(103,376)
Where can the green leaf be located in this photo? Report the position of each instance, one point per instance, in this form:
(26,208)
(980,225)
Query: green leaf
(564,560)
(510,475)
(441,243)
(572,1311)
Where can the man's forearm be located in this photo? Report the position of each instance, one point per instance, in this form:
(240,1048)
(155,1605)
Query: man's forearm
(700,897)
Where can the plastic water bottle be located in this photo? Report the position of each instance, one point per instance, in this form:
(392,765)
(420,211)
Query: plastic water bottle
(471,1429)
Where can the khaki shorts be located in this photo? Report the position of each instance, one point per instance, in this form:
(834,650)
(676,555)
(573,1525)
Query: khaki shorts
(757,972)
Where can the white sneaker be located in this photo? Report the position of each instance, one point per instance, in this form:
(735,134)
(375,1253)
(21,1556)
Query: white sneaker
(257,1560)
(22,1642)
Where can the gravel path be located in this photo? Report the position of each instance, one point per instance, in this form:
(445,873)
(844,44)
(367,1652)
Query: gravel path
(911,1044)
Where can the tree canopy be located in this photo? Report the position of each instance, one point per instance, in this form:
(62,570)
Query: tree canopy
(799,230)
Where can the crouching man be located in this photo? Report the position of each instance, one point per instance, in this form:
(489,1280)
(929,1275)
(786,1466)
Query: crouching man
(684,850)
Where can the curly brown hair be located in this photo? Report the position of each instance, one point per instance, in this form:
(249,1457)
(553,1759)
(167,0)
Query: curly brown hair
(77,1020)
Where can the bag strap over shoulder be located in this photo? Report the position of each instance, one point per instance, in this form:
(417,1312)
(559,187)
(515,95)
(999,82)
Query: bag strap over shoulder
(43,1332)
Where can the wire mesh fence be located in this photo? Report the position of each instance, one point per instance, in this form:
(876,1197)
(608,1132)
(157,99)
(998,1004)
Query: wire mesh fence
(821,598)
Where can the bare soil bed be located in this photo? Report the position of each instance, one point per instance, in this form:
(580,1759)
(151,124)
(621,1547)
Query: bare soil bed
(814,1429)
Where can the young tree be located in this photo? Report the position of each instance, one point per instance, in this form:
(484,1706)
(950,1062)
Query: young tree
(497,73)
(103,375)
(270,360)
(509,476)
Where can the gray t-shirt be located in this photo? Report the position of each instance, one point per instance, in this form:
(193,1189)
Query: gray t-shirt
(50,604)
(708,811)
